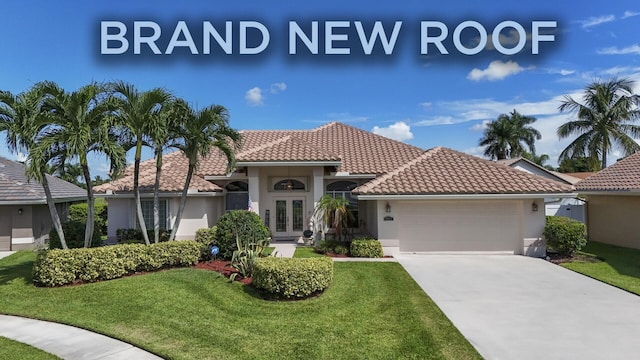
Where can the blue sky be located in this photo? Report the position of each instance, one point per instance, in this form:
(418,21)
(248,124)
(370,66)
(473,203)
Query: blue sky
(424,100)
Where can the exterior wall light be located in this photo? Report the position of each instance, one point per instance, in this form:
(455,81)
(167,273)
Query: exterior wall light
(387,208)
(534,206)
(20,211)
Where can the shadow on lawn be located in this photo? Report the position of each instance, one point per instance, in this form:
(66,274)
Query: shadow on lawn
(23,270)
(625,261)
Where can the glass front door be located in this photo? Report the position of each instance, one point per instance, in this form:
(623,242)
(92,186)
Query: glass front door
(289,217)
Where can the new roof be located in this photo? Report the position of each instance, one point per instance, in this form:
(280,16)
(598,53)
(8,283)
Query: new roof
(445,171)
(624,175)
(15,188)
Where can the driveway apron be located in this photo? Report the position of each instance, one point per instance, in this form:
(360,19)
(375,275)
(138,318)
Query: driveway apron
(515,307)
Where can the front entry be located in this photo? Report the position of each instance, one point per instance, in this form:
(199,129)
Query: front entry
(289,220)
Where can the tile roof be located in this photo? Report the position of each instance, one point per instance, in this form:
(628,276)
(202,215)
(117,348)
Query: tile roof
(624,175)
(444,171)
(553,175)
(287,148)
(14,186)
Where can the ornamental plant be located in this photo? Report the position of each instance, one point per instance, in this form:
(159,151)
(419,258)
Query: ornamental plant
(565,235)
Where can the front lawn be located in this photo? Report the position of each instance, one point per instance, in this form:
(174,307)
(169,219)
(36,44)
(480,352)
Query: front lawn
(306,252)
(10,349)
(372,310)
(617,266)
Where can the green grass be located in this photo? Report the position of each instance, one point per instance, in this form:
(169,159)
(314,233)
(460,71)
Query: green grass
(372,310)
(618,266)
(10,349)
(268,250)
(305,252)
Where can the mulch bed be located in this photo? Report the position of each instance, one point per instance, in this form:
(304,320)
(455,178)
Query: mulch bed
(560,259)
(223,267)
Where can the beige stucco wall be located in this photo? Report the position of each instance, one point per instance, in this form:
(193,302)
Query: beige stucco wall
(120,215)
(614,220)
(28,229)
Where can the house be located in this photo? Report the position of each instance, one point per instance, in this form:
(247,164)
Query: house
(25,220)
(613,203)
(412,200)
(569,207)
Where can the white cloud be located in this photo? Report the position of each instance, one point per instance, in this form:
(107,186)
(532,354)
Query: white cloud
(497,70)
(633,49)
(426,106)
(254,96)
(475,151)
(278,87)
(399,131)
(628,14)
(480,126)
(563,72)
(21,157)
(595,21)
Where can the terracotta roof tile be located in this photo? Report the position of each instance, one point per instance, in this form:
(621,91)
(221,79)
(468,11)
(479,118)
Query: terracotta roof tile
(445,171)
(287,148)
(624,175)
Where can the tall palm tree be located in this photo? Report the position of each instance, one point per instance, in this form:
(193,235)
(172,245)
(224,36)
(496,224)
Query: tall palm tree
(538,159)
(203,131)
(604,122)
(504,137)
(80,125)
(137,112)
(21,119)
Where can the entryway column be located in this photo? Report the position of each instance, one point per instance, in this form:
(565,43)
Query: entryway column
(254,190)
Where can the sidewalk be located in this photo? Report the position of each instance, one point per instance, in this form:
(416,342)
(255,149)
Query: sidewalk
(68,342)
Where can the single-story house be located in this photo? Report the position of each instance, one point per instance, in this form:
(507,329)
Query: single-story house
(412,200)
(25,220)
(569,207)
(613,203)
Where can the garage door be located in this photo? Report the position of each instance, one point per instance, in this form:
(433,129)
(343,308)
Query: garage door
(460,226)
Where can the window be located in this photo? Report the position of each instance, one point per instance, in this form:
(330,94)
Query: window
(343,189)
(289,185)
(147,213)
(237,196)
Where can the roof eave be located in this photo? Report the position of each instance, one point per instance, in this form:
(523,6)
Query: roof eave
(631,192)
(465,196)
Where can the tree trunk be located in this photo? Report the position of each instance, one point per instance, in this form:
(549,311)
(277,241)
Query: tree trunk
(55,218)
(604,157)
(183,201)
(88,233)
(136,192)
(156,197)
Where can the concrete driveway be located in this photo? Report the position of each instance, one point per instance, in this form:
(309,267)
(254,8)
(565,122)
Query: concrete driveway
(515,307)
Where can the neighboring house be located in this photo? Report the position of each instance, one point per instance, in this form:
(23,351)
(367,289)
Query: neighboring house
(410,199)
(613,203)
(570,207)
(25,220)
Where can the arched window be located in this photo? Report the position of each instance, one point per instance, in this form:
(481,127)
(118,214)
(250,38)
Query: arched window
(288,185)
(343,189)
(237,195)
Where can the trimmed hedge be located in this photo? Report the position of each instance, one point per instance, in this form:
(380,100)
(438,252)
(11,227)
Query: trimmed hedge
(247,225)
(78,212)
(74,235)
(369,248)
(293,277)
(62,267)
(134,236)
(206,237)
(565,235)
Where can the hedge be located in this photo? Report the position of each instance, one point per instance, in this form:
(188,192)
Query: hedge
(206,237)
(134,236)
(565,235)
(62,267)
(369,248)
(293,277)
(247,225)
(78,212)
(73,235)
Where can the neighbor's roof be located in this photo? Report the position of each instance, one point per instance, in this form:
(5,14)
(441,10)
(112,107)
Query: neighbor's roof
(445,171)
(357,151)
(553,175)
(15,188)
(624,175)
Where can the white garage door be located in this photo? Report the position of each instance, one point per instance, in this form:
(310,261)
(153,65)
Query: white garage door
(460,226)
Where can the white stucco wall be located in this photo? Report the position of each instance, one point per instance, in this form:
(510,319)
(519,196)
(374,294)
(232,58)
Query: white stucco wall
(533,227)
(120,214)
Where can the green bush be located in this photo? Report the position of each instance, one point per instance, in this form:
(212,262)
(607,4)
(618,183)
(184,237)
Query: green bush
(565,235)
(134,236)
(328,246)
(246,224)
(293,277)
(369,248)
(78,212)
(74,236)
(206,237)
(60,267)
(341,249)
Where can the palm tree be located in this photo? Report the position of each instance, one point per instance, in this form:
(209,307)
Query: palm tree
(21,118)
(604,120)
(201,132)
(538,159)
(137,112)
(335,212)
(81,125)
(504,136)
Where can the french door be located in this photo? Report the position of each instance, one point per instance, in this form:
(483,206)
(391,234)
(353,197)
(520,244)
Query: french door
(289,217)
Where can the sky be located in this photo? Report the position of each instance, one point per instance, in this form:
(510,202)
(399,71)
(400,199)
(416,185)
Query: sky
(424,99)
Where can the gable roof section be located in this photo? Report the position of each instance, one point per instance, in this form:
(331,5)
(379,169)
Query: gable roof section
(622,176)
(442,171)
(286,149)
(15,188)
(549,174)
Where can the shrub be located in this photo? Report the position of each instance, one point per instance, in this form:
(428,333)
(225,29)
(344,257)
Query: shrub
(247,225)
(61,267)
(369,248)
(565,235)
(293,277)
(134,236)
(78,212)
(341,250)
(74,236)
(206,237)
(328,246)
(244,259)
